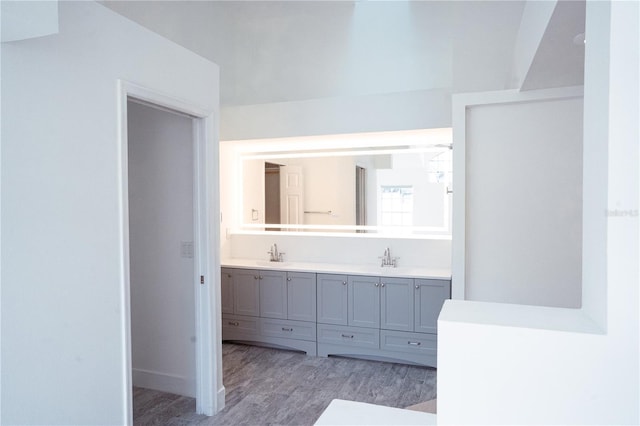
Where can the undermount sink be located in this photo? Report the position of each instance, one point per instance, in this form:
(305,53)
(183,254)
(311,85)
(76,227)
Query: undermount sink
(270,263)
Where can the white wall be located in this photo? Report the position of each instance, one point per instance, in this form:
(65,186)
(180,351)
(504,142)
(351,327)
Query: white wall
(484,35)
(506,364)
(161,228)
(422,109)
(535,19)
(523,202)
(63,358)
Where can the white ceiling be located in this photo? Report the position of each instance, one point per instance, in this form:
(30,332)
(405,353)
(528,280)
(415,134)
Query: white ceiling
(559,61)
(278,51)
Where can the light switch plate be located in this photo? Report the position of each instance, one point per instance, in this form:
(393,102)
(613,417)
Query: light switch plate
(186,249)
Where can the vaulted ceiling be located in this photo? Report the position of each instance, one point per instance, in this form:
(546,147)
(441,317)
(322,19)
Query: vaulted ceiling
(279,51)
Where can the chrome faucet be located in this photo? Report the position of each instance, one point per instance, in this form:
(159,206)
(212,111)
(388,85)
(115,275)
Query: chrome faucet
(275,256)
(387,260)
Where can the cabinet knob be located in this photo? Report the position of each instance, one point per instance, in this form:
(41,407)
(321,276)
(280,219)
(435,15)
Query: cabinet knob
(377,284)
(344,283)
(260,277)
(288,279)
(382,284)
(255,277)
(228,275)
(417,287)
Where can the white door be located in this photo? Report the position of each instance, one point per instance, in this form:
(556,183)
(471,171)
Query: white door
(291,195)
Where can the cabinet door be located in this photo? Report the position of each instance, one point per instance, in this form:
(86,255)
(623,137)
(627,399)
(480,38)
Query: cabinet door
(301,296)
(226,284)
(246,292)
(364,301)
(429,297)
(396,304)
(332,299)
(273,294)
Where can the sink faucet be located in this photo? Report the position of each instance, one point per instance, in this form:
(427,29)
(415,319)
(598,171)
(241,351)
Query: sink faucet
(275,256)
(387,260)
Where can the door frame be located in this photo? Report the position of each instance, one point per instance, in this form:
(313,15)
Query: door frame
(210,392)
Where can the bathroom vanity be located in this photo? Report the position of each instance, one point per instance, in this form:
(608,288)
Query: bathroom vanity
(367,312)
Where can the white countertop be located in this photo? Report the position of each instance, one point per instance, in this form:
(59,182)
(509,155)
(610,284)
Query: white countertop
(343,413)
(336,268)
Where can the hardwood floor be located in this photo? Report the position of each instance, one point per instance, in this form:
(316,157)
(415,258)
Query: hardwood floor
(274,387)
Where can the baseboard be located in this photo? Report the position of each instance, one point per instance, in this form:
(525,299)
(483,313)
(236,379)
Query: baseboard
(426,407)
(163,382)
(221,398)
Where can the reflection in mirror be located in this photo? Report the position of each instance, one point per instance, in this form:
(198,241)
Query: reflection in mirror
(398,184)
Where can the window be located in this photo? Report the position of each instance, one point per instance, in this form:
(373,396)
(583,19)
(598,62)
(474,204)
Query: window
(440,168)
(396,204)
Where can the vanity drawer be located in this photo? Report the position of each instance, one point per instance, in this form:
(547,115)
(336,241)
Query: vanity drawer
(234,324)
(352,336)
(300,330)
(401,341)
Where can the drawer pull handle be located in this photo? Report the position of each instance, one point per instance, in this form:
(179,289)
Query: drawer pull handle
(348,336)
(287,329)
(234,323)
(413,343)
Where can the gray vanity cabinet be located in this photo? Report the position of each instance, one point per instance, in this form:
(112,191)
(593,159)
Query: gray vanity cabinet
(246,292)
(397,304)
(412,305)
(429,298)
(349,300)
(380,317)
(334,314)
(273,294)
(226,285)
(363,301)
(301,296)
(332,299)
(270,307)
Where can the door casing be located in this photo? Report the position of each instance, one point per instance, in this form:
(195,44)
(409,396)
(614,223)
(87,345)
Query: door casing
(210,392)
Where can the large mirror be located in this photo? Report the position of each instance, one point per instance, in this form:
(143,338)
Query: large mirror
(395,183)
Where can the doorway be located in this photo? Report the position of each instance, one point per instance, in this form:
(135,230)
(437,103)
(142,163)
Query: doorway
(272,195)
(361,197)
(161,249)
(200,252)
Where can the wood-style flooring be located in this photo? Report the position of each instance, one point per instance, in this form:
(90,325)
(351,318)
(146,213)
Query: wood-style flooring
(275,387)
